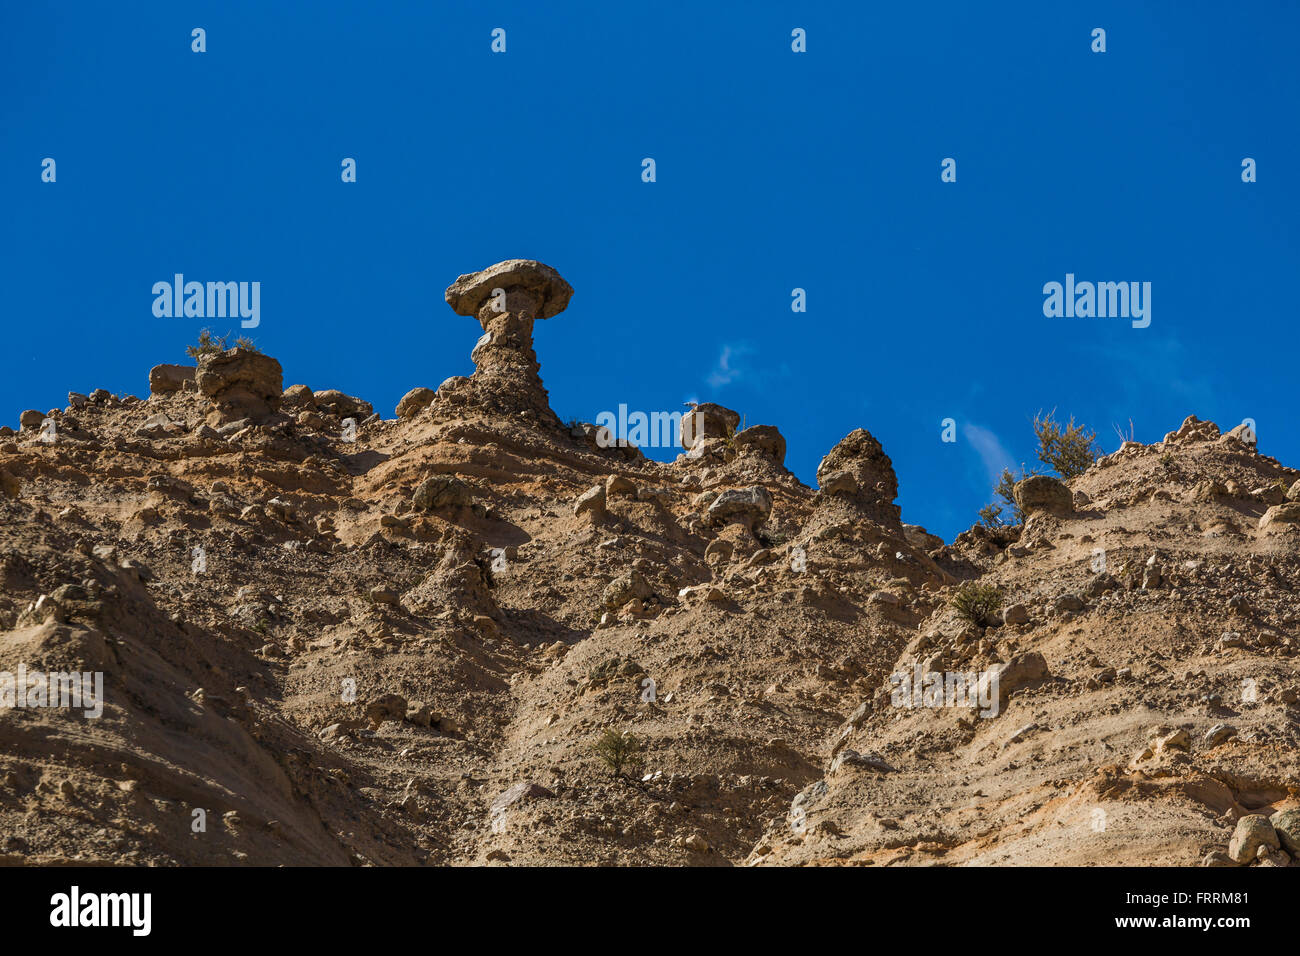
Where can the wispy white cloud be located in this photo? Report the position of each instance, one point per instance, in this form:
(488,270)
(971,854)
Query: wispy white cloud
(986,444)
(727,370)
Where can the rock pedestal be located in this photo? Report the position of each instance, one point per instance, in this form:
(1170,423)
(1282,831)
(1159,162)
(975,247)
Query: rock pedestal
(506,299)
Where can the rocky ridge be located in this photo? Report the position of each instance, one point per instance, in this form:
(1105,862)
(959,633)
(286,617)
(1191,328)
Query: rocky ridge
(349,639)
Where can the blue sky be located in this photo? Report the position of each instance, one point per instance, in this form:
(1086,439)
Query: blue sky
(775,170)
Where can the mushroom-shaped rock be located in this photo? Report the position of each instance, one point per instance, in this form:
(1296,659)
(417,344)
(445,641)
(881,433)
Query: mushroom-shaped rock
(529,286)
(506,299)
(1043,493)
(240,383)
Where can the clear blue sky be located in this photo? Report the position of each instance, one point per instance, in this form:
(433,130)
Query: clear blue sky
(775,170)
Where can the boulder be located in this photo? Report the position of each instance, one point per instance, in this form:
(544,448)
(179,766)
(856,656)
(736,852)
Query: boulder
(1219,733)
(240,383)
(764,441)
(624,588)
(442,491)
(618,486)
(1218,858)
(1043,493)
(707,422)
(457,390)
(749,506)
(591,502)
(1174,740)
(1252,832)
(719,551)
(921,539)
(165,379)
(1193,430)
(1023,670)
(1286,824)
(1068,602)
(518,792)
(1286,514)
(1243,433)
(298,396)
(385,707)
(851,759)
(1015,614)
(343,405)
(415,401)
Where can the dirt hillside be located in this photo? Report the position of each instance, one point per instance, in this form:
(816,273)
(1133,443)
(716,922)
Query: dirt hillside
(356,639)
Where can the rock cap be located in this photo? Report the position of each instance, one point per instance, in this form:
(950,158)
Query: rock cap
(536,280)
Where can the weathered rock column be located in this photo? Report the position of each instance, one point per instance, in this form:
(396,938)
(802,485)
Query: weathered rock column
(506,299)
(239,383)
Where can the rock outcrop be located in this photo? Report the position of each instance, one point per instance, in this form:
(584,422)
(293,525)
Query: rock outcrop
(507,299)
(240,384)
(441,639)
(858,471)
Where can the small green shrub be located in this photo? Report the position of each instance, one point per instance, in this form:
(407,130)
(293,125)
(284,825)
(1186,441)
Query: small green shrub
(991,514)
(772,537)
(977,603)
(1069,449)
(207,344)
(621,752)
(729,439)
